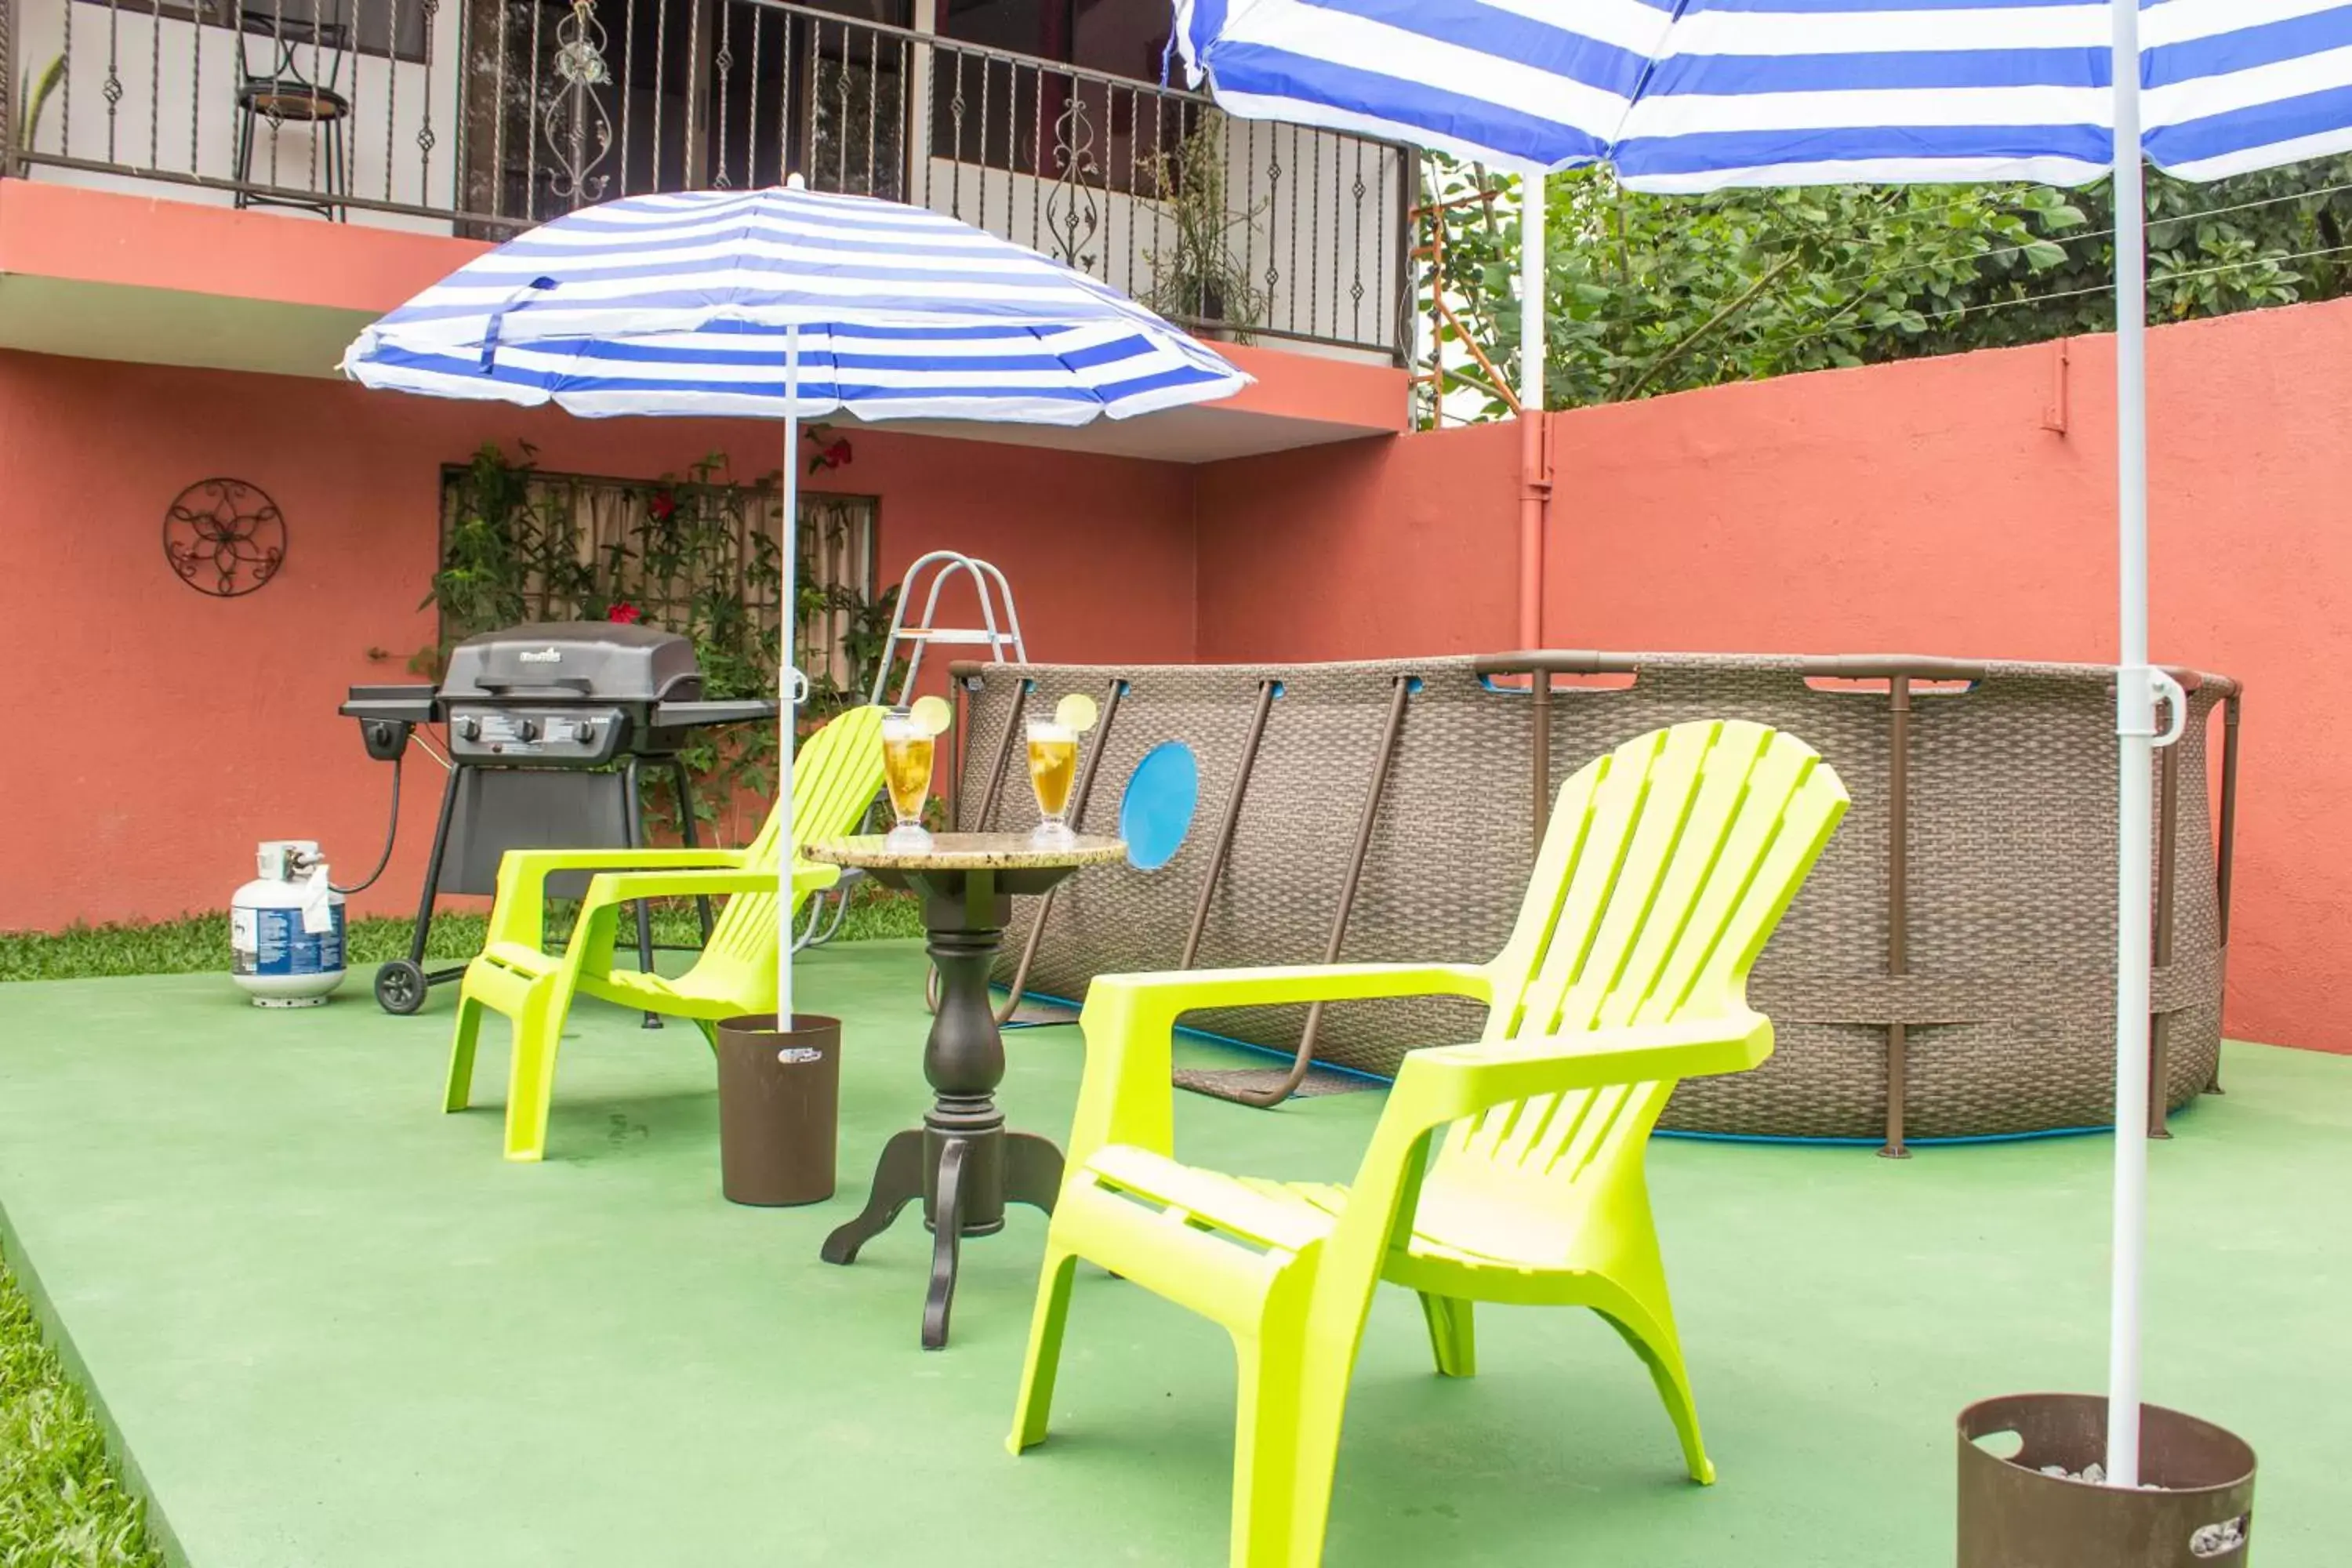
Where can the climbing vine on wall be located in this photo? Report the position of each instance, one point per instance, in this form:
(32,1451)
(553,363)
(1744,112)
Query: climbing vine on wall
(697,553)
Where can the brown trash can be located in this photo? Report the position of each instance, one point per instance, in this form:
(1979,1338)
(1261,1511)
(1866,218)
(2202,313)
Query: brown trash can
(779,1108)
(2194,1508)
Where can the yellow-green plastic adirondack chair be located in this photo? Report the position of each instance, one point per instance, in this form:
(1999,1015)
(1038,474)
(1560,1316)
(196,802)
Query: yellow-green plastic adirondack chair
(835,775)
(1666,866)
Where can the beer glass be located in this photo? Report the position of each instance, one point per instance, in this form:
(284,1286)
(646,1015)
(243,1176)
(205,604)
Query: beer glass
(1053,769)
(906,750)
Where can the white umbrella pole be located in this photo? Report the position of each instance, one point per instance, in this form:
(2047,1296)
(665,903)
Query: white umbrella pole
(786,685)
(2135,730)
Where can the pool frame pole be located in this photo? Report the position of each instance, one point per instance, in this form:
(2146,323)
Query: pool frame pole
(1898,901)
(2160,1023)
(1266,691)
(995,789)
(2225,863)
(1113,689)
(1267,1100)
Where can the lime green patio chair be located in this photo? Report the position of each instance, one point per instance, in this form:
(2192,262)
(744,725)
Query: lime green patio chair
(1666,868)
(835,777)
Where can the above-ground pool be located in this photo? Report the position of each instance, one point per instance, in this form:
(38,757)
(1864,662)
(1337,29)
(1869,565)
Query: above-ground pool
(1947,973)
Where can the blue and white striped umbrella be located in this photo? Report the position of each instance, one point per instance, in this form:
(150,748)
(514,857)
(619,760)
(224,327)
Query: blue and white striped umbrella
(1697,95)
(1708,93)
(681,304)
(789,304)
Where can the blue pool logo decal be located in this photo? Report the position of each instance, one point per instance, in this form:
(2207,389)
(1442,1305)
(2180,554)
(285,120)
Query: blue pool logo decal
(1156,812)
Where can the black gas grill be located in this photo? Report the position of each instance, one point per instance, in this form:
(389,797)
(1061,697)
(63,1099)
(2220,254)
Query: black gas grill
(549,731)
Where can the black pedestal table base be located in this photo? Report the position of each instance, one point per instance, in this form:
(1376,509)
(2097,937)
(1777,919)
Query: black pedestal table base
(962,1164)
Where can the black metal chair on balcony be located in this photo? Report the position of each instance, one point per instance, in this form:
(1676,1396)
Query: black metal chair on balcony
(301,86)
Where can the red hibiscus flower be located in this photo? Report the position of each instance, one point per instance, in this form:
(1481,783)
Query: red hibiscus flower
(826,451)
(625,614)
(662,504)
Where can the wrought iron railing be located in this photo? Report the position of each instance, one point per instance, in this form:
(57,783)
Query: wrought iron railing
(489,115)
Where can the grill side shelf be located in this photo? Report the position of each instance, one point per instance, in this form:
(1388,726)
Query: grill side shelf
(402,704)
(687,715)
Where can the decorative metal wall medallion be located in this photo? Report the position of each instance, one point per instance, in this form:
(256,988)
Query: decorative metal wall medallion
(224,537)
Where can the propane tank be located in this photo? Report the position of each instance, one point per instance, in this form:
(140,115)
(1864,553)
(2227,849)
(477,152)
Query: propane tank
(286,928)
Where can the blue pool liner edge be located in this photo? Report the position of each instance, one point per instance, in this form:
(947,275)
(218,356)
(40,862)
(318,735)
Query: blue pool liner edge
(1952,1142)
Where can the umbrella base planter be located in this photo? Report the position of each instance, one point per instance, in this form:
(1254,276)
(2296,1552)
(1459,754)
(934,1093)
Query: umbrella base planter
(779,1108)
(2034,1509)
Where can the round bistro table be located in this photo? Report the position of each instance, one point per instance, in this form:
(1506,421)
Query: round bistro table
(962,1163)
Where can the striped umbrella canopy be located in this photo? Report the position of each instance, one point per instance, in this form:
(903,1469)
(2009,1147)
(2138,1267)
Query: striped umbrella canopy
(683,304)
(1701,94)
(1698,95)
(791,304)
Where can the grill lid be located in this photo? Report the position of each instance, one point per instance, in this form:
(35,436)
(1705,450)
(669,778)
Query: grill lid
(573,661)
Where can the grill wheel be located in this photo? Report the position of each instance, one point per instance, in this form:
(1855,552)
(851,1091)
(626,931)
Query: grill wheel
(400,988)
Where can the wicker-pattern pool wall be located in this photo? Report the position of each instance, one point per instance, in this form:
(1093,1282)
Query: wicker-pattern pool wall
(1986,1009)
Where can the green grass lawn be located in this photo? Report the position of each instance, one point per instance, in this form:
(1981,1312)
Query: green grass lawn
(62,1501)
(196,944)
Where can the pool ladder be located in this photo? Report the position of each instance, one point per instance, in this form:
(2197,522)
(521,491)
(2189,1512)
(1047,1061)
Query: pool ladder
(998,633)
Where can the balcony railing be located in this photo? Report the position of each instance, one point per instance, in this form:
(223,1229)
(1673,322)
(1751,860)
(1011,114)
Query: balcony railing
(485,116)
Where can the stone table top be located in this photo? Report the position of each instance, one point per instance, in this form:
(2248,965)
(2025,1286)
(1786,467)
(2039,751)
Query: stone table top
(967,852)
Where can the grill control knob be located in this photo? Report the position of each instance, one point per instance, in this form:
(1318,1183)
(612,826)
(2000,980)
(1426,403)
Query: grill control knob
(526,729)
(470,729)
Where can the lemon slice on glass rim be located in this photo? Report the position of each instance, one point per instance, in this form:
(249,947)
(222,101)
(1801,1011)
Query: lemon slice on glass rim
(932,715)
(1077,712)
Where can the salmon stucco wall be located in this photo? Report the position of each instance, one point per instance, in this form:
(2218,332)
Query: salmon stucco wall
(1361,550)
(160,732)
(1925,506)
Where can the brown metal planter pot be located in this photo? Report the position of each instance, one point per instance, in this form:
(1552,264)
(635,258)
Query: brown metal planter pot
(779,1108)
(2193,1509)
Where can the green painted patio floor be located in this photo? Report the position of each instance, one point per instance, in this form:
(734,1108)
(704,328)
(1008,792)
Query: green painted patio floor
(334,1328)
